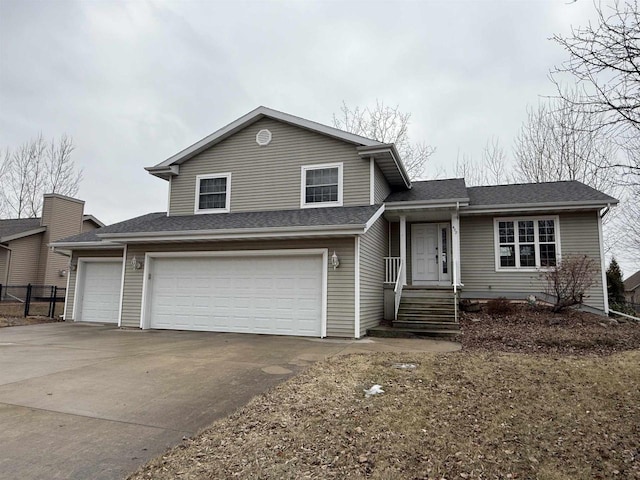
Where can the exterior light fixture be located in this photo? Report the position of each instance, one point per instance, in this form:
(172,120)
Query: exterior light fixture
(335,261)
(62,273)
(135,263)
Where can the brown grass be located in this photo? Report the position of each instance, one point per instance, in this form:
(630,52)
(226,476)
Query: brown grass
(467,415)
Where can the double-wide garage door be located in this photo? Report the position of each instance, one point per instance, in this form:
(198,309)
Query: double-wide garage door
(279,294)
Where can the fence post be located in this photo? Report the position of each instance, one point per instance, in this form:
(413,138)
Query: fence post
(52,303)
(27,301)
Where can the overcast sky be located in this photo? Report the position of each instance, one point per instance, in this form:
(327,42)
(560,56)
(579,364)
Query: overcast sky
(135,82)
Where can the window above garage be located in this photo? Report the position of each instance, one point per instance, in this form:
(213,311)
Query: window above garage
(321,186)
(213,193)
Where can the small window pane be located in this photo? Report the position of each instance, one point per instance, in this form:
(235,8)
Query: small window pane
(546,230)
(217,200)
(506,232)
(445,266)
(527,255)
(548,255)
(525,231)
(213,185)
(507,256)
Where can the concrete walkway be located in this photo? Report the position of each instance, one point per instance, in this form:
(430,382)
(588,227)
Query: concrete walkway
(81,401)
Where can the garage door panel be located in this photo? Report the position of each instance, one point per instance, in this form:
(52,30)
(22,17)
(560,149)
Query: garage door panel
(276,295)
(100,292)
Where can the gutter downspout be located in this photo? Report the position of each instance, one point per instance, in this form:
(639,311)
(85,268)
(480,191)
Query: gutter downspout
(605,293)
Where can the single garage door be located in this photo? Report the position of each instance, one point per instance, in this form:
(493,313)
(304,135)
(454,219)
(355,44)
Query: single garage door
(279,295)
(99,292)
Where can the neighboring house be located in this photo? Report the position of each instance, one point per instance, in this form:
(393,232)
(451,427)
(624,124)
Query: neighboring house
(25,256)
(279,225)
(632,288)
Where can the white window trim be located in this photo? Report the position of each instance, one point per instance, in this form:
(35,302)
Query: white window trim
(303,185)
(537,268)
(226,209)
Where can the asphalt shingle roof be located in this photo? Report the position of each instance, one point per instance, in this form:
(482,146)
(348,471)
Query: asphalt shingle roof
(449,189)
(160,222)
(632,282)
(18,225)
(527,193)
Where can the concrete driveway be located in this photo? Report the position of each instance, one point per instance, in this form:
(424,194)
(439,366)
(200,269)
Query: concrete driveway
(82,401)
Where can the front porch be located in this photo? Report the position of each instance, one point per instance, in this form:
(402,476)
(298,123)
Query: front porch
(422,271)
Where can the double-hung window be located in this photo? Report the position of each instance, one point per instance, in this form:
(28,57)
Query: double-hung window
(526,243)
(213,193)
(321,185)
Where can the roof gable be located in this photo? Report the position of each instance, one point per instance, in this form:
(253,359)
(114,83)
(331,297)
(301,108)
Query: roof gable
(250,118)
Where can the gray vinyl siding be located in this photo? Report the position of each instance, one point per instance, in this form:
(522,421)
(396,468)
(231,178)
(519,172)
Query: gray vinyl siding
(63,217)
(380,186)
(374,246)
(340,288)
(25,254)
(269,177)
(71,292)
(4,265)
(578,235)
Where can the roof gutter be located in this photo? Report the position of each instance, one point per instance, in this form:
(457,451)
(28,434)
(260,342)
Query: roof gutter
(606,210)
(525,207)
(391,149)
(449,203)
(233,234)
(98,245)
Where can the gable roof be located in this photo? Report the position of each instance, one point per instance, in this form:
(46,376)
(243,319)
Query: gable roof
(91,218)
(11,229)
(385,154)
(252,117)
(451,189)
(310,222)
(549,194)
(632,282)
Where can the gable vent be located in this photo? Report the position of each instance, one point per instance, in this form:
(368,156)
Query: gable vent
(263,137)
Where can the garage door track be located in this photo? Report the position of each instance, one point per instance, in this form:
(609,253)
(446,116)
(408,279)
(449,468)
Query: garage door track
(84,401)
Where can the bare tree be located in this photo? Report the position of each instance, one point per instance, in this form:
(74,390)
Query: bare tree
(491,170)
(34,168)
(604,59)
(387,125)
(557,142)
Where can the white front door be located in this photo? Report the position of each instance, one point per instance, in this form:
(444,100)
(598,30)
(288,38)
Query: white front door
(424,252)
(430,253)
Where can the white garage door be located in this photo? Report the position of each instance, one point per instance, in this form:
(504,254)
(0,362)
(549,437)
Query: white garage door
(279,295)
(99,292)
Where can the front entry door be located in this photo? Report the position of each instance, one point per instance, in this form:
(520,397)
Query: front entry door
(430,253)
(424,252)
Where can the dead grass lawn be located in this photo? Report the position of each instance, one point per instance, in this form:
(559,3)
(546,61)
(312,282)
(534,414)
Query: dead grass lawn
(21,321)
(468,415)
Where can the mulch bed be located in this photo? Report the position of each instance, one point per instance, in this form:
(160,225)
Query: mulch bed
(538,330)
(21,321)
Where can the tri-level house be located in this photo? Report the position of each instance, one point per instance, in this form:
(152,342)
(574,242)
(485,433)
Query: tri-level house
(280,225)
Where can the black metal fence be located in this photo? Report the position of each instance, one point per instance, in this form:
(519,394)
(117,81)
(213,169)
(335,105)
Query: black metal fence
(31,299)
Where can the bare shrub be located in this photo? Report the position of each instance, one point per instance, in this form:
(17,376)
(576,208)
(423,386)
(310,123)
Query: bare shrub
(499,306)
(569,281)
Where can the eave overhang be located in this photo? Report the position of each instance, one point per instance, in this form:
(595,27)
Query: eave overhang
(537,207)
(235,234)
(427,204)
(26,233)
(387,158)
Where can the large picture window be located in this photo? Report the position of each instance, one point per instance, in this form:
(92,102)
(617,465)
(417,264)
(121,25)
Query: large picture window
(213,193)
(321,185)
(526,243)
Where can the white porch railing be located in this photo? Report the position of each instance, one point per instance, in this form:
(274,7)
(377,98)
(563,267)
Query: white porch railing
(397,291)
(392,267)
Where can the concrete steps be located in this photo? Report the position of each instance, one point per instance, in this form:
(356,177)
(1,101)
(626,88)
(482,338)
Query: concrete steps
(427,311)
